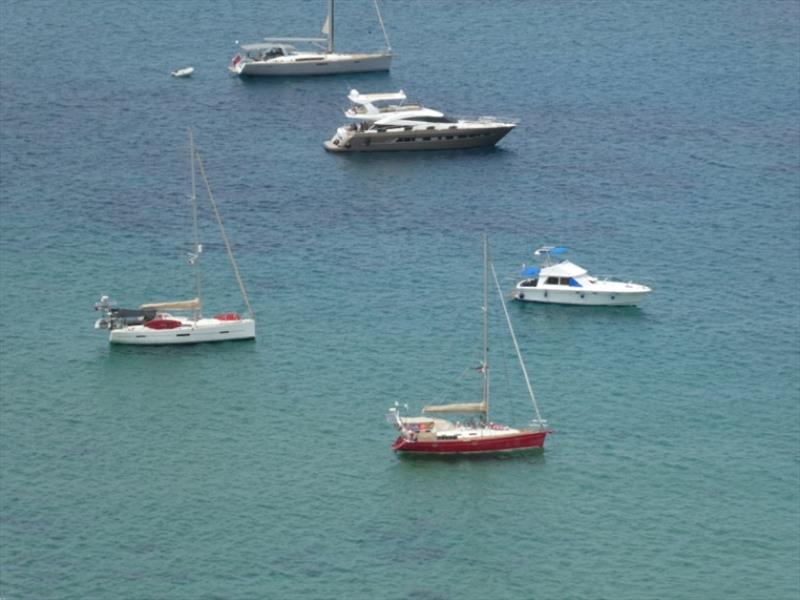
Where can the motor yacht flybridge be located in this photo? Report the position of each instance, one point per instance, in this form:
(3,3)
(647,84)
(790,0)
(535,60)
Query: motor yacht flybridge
(156,323)
(564,282)
(385,122)
(476,434)
(281,56)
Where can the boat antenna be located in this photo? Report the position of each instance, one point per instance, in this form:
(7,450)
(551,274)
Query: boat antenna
(224,235)
(194,255)
(383,28)
(516,346)
(485,364)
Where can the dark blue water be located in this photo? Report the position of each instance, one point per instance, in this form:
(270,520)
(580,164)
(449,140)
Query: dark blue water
(659,140)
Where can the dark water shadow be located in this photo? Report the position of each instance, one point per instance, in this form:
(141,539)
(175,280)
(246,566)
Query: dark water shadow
(336,78)
(579,311)
(533,456)
(493,151)
(232,350)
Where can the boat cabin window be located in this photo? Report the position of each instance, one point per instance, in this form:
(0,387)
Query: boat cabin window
(558,280)
(267,54)
(529,282)
(434,119)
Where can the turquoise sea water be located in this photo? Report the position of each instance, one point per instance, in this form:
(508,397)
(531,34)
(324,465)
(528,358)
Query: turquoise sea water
(660,140)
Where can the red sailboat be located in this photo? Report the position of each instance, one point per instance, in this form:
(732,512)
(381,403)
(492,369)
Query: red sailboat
(436,435)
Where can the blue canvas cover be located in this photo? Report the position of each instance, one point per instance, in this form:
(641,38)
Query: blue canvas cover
(529,272)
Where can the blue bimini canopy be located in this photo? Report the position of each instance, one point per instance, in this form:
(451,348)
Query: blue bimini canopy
(529,272)
(558,250)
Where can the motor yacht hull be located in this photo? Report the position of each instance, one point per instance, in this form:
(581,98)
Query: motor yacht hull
(584,297)
(328,64)
(512,442)
(189,332)
(422,139)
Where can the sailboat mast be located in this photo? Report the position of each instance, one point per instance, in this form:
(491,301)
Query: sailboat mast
(485,365)
(330,26)
(196,248)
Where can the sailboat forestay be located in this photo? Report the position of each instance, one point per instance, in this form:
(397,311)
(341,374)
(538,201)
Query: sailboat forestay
(280,56)
(155,323)
(477,434)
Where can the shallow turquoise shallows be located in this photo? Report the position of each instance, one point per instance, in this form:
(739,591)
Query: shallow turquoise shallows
(660,141)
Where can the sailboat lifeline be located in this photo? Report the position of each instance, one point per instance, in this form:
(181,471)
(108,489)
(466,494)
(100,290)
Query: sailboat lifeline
(152,324)
(279,56)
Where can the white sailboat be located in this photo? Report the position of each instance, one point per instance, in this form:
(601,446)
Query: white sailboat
(434,435)
(280,56)
(156,323)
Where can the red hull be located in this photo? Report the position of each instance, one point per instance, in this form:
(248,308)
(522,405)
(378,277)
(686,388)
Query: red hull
(526,440)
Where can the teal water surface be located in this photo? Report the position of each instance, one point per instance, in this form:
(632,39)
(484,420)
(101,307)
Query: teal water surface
(659,140)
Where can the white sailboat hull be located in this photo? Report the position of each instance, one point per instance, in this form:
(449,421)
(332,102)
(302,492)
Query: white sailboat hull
(619,297)
(190,332)
(327,64)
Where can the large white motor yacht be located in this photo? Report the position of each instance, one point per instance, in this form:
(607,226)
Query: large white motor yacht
(385,122)
(563,282)
(280,56)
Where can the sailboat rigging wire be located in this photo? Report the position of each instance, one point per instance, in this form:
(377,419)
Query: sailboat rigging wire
(380,20)
(224,235)
(440,399)
(516,345)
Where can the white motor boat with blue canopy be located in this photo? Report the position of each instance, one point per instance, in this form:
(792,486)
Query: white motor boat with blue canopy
(315,56)
(385,122)
(563,282)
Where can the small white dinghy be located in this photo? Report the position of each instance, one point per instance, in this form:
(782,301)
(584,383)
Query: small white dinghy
(185,72)
(563,282)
